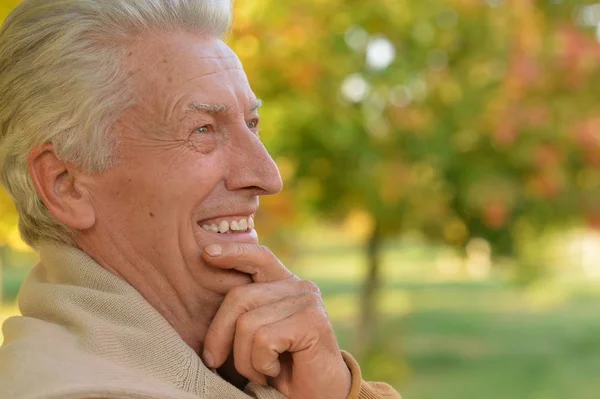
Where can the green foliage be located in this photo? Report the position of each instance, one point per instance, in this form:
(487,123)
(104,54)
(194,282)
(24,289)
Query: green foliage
(483,125)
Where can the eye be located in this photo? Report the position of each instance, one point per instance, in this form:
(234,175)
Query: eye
(253,124)
(203,129)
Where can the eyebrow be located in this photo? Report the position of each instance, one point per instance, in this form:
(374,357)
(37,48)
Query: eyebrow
(220,108)
(256,105)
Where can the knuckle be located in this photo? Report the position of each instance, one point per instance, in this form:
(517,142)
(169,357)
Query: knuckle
(312,300)
(313,311)
(241,250)
(301,286)
(312,287)
(244,298)
(292,278)
(262,339)
(214,332)
(316,313)
(266,251)
(245,323)
(265,367)
(319,304)
(236,294)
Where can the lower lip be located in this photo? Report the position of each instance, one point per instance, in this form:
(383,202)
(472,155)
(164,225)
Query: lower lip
(247,237)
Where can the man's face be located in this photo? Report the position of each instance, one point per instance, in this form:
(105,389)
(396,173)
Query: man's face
(189,161)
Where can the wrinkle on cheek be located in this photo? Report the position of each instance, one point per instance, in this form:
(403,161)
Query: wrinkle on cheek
(151,142)
(187,152)
(161,145)
(151,151)
(202,144)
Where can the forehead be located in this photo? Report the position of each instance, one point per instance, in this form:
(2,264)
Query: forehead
(175,67)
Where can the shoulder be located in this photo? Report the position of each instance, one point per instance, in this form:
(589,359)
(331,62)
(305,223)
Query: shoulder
(42,360)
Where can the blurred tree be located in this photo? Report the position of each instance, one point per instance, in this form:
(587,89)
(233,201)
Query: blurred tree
(456,118)
(461,119)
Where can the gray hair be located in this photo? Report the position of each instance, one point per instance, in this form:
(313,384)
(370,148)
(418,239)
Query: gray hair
(62,82)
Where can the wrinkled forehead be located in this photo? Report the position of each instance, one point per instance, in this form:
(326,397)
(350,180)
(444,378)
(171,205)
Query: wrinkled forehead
(160,64)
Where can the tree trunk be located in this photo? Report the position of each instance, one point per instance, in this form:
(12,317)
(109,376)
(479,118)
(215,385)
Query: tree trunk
(368,316)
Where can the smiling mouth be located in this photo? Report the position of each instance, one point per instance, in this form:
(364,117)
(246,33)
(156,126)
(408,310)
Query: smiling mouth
(232,225)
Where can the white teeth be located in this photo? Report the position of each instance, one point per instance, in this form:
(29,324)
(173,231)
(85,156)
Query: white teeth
(224,227)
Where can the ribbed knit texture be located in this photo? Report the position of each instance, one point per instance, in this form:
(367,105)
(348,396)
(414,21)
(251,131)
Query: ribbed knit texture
(367,390)
(85,333)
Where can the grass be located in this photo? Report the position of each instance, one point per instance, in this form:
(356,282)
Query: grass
(464,353)
(463,339)
(484,339)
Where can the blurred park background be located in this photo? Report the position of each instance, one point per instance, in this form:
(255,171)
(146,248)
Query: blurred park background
(442,168)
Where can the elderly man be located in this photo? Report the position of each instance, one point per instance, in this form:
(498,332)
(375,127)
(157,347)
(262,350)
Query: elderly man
(129,142)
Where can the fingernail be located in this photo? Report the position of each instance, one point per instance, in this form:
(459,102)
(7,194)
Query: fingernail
(272,370)
(209,360)
(214,250)
(270,367)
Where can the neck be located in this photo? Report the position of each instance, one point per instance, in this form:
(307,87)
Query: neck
(186,305)
(189,308)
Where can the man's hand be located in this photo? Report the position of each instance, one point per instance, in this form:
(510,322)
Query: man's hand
(277,328)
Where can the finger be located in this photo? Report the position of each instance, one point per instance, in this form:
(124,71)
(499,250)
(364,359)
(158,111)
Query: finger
(249,323)
(301,332)
(220,335)
(256,260)
(221,281)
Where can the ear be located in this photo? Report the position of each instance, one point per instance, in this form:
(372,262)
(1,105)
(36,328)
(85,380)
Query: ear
(58,185)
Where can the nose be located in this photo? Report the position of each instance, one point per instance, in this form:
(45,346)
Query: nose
(251,166)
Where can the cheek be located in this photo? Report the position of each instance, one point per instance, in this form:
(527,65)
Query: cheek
(203,144)
(167,187)
(125,199)
(192,179)
(200,177)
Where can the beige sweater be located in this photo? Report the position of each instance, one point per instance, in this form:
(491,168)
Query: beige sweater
(85,333)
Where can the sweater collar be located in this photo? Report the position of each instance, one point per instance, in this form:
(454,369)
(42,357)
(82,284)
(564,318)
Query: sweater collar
(113,321)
